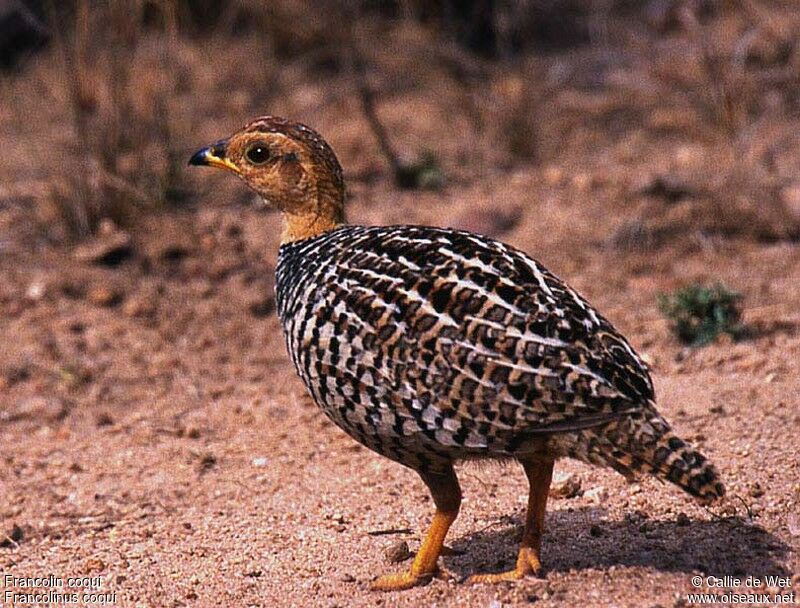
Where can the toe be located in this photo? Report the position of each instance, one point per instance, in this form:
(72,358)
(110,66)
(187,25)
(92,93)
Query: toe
(398,582)
(528,564)
(500,577)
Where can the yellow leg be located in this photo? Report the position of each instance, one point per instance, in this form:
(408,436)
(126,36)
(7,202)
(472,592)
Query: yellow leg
(447,496)
(528,560)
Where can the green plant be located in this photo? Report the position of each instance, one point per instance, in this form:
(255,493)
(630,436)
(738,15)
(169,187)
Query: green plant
(698,313)
(424,173)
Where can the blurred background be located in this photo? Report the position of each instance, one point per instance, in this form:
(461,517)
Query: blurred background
(647,151)
(681,112)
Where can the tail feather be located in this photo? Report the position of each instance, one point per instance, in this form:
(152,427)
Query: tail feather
(645,443)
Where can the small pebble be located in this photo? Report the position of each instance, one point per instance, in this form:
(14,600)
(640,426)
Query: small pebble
(398,552)
(103,295)
(12,537)
(35,291)
(596,495)
(565,486)
(104,419)
(207,461)
(793,523)
(94,564)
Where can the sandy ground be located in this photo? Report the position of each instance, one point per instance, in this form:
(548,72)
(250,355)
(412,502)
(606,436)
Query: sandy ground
(154,434)
(160,439)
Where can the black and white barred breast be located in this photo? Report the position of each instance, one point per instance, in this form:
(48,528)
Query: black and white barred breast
(431,345)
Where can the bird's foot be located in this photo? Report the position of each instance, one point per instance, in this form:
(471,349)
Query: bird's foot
(401,581)
(527,564)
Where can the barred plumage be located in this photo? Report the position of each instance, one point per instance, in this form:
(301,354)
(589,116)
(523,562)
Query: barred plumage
(431,345)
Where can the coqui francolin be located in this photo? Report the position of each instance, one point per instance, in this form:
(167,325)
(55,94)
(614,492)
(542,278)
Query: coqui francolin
(432,346)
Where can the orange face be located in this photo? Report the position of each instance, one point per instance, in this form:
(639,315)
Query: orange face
(290,167)
(279,168)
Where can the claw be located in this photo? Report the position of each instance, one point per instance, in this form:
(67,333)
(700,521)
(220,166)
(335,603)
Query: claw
(527,564)
(424,566)
(399,582)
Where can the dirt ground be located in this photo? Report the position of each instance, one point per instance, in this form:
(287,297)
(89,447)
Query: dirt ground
(153,432)
(165,443)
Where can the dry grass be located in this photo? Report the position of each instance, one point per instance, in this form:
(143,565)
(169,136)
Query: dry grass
(127,147)
(145,82)
(727,84)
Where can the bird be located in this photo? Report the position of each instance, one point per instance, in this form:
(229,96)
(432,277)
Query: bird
(433,346)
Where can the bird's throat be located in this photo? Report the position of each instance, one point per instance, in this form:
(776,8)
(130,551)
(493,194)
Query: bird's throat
(311,223)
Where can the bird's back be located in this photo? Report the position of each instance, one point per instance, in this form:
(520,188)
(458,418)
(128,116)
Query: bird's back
(430,345)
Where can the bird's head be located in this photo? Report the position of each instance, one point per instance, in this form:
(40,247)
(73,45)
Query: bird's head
(290,167)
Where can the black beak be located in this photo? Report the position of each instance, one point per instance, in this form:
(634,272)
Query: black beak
(200,158)
(214,156)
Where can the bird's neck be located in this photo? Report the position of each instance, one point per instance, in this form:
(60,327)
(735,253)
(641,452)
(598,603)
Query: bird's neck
(305,226)
(322,212)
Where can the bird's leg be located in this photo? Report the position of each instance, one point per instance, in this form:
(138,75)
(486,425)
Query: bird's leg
(447,498)
(528,560)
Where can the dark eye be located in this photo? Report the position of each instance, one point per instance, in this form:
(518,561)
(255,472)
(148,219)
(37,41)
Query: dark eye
(257,154)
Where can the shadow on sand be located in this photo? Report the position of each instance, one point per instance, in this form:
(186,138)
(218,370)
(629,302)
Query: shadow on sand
(577,539)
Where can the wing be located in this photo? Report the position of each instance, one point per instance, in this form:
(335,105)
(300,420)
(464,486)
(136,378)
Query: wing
(482,341)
